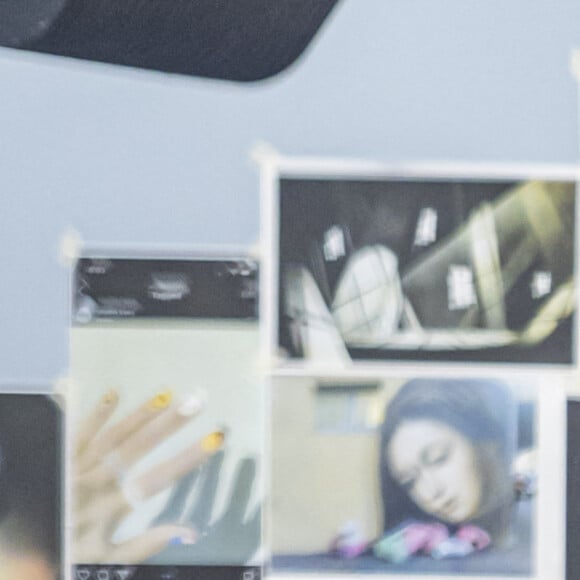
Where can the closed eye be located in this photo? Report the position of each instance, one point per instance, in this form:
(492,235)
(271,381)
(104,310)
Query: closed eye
(437,454)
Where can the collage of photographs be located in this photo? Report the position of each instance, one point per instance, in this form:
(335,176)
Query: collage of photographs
(421,323)
(289,290)
(389,390)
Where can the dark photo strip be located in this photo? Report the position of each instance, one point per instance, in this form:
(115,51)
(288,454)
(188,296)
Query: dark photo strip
(426,267)
(573,491)
(167,418)
(32,487)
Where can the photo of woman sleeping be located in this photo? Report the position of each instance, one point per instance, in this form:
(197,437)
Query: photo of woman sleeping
(446,456)
(451,489)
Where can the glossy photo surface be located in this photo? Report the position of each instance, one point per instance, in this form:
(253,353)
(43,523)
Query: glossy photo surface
(31,488)
(404,476)
(462,269)
(168,417)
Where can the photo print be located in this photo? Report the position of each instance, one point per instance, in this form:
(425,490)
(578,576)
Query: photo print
(425,268)
(168,417)
(31,488)
(408,476)
(573,489)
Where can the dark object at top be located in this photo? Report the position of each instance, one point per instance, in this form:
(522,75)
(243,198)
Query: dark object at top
(242,40)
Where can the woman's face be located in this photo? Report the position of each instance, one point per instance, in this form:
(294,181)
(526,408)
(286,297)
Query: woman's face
(437,466)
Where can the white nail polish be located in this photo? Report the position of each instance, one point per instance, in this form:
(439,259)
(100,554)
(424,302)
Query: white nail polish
(191,406)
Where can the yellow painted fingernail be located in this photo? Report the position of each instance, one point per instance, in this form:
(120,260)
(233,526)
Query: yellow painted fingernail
(109,397)
(213,441)
(161,400)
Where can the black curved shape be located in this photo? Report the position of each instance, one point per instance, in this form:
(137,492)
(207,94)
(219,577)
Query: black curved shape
(21,22)
(242,40)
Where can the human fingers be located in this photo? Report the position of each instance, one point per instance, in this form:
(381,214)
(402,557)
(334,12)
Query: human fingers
(167,472)
(134,421)
(154,432)
(95,421)
(117,493)
(106,508)
(122,429)
(152,542)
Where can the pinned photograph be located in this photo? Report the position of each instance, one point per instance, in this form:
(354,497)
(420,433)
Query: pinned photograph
(435,476)
(431,268)
(31,488)
(573,488)
(167,416)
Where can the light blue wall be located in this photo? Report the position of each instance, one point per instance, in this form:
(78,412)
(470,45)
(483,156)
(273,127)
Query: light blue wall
(132,156)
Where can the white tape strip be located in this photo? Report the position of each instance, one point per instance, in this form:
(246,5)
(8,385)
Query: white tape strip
(575,63)
(71,245)
(262,153)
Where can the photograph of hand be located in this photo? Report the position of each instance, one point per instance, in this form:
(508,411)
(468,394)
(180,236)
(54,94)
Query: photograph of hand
(104,491)
(168,418)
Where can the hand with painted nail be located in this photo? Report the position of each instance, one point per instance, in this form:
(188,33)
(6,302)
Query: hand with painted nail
(231,538)
(104,491)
